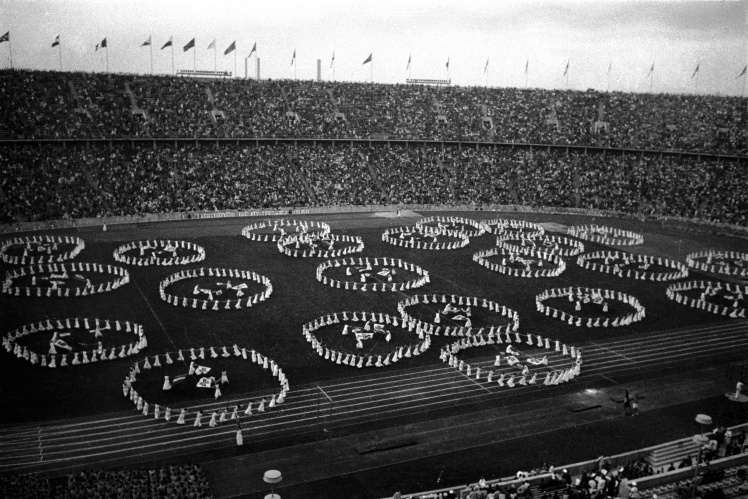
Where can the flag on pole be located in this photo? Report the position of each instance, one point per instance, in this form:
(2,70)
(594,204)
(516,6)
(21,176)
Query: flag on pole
(101,45)
(742,73)
(5,37)
(57,41)
(610,66)
(407,68)
(332,61)
(695,71)
(651,70)
(447,63)
(168,43)
(147,42)
(190,44)
(566,70)
(368,59)
(527,65)
(230,48)
(212,44)
(254,49)
(485,70)
(293,59)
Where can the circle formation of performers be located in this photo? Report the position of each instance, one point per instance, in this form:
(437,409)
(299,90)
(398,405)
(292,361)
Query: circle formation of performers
(592,307)
(732,263)
(75,338)
(159,252)
(458,316)
(31,250)
(372,332)
(373,274)
(606,235)
(555,245)
(527,262)
(471,228)
(273,230)
(517,228)
(730,300)
(536,360)
(192,382)
(63,280)
(426,237)
(633,265)
(217,289)
(318,244)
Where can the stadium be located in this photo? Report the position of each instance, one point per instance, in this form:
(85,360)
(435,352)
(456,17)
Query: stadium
(219,286)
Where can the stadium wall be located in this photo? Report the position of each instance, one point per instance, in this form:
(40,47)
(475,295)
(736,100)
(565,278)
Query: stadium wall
(699,226)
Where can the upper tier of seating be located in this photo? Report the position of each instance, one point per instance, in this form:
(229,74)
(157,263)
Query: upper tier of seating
(43,105)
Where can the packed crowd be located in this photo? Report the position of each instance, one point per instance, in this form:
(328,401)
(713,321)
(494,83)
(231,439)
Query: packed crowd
(48,182)
(87,105)
(25,486)
(183,481)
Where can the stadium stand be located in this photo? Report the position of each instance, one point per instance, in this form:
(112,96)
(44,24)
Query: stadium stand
(80,145)
(538,154)
(89,180)
(186,481)
(83,105)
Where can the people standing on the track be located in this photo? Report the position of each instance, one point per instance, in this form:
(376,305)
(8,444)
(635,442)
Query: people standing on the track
(239,435)
(626,404)
(635,405)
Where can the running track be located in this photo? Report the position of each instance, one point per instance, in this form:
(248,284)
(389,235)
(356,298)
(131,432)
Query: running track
(62,446)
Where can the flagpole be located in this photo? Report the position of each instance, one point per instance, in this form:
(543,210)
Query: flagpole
(651,79)
(194,57)
(10,48)
(151,47)
(107,57)
(235,51)
(172,57)
(59,46)
(609,67)
(697,77)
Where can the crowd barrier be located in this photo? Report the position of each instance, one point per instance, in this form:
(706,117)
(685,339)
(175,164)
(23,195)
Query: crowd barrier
(677,223)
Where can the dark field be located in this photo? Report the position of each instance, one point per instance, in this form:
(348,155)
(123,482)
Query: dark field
(273,327)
